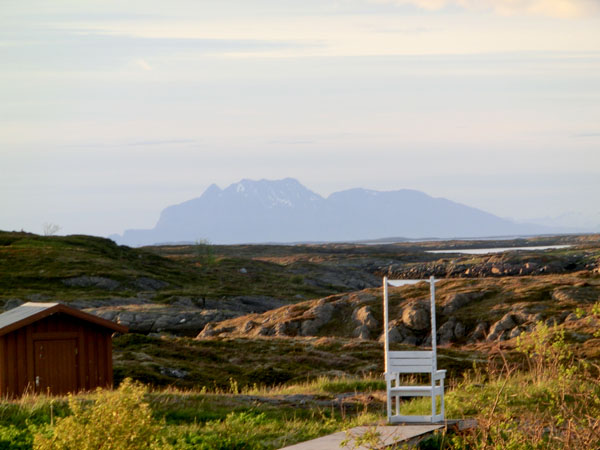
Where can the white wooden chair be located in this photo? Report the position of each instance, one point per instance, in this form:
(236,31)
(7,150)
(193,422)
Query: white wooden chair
(406,362)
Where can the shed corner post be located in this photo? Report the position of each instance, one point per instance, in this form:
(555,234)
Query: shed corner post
(385,322)
(433,324)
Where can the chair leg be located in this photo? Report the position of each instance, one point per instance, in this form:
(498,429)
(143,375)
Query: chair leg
(397,396)
(389,402)
(442,412)
(433,402)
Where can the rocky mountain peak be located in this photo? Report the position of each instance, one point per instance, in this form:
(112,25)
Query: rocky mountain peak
(254,211)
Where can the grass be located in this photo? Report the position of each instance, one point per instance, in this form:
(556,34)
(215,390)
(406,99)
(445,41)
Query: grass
(201,419)
(541,396)
(212,363)
(33,266)
(514,409)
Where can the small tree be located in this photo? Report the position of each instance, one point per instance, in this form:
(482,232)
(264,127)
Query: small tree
(116,420)
(50,229)
(205,252)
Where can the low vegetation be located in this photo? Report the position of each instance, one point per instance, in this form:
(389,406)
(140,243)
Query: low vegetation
(86,268)
(539,396)
(536,388)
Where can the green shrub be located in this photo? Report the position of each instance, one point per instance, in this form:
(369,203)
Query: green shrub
(546,351)
(115,420)
(15,438)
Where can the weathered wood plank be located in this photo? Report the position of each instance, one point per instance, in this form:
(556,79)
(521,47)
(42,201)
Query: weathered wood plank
(385,436)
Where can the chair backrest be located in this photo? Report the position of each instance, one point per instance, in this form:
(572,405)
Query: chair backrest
(410,361)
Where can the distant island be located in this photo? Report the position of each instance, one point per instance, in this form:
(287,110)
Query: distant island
(285,211)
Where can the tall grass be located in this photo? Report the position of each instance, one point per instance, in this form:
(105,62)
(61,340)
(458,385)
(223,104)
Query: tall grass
(547,399)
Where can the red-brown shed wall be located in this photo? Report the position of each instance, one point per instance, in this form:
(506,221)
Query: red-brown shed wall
(93,354)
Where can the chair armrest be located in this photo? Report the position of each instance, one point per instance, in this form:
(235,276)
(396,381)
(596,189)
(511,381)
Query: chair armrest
(389,376)
(439,375)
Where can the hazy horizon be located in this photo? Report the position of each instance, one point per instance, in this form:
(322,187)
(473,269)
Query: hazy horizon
(112,111)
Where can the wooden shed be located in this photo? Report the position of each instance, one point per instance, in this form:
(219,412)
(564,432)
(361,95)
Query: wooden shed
(52,348)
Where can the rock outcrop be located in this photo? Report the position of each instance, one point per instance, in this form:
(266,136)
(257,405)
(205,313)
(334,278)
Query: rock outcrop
(366,323)
(185,316)
(416,316)
(493,265)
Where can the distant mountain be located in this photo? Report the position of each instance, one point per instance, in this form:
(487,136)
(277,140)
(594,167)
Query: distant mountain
(286,211)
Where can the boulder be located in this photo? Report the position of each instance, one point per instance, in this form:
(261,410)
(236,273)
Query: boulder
(479,333)
(96,282)
(457,301)
(446,332)
(459,330)
(400,333)
(362,332)
(416,317)
(411,340)
(287,328)
(516,331)
(149,284)
(394,336)
(498,329)
(317,316)
(363,316)
(12,303)
(248,326)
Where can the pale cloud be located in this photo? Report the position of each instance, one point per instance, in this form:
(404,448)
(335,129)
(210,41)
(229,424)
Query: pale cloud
(552,8)
(143,64)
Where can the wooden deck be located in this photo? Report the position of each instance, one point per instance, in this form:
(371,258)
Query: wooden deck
(385,436)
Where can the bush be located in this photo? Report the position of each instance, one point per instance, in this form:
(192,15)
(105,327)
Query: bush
(116,420)
(15,438)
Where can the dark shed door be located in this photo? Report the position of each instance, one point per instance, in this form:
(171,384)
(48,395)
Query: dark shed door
(56,366)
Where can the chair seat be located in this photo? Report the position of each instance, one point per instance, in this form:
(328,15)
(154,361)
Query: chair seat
(415,391)
(411,388)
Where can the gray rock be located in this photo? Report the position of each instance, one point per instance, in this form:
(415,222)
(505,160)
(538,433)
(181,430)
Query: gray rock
(535,318)
(446,332)
(479,333)
(108,314)
(363,316)
(87,281)
(319,315)
(394,336)
(516,331)
(208,331)
(412,340)
(400,334)
(572,317)
(362,332)
(12,303)
(287,328)
(416,317)
(177,373)
(520,317)
(248,326)
(498,329)
(459,330)
(264,331)
(458,301)
(149,284)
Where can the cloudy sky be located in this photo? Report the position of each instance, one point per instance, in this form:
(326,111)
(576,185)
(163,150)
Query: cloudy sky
(112,110)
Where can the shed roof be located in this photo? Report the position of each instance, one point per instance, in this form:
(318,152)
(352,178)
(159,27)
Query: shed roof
(31,312)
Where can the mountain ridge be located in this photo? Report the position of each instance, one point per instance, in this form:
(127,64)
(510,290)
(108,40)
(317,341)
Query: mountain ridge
(286,211)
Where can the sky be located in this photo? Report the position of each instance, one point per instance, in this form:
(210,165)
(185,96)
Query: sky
(110,111)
